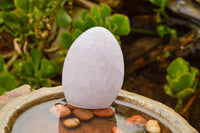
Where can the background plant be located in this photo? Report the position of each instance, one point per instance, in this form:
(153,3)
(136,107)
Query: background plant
(118,24)
(181,80)
(29,21)
(163,29)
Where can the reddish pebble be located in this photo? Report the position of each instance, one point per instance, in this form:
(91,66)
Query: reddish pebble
(103,112)
(116,130)
(72,107)
(135,120)
(60,110)
(83,114)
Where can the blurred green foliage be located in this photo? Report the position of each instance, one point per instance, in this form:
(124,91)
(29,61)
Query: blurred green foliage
(25,19)
(118,24)
(181,80)
(163,29)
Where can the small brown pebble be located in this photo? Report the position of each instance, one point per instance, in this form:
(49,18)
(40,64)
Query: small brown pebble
(60,110)
(83,114)
(103,112)
(71,122)
(72,107)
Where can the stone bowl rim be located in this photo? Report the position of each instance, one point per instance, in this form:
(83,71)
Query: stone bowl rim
(11,111)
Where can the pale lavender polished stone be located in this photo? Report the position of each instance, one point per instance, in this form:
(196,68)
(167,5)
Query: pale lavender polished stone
(93,70)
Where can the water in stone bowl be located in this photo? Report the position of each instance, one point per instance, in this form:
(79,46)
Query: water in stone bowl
(39,119)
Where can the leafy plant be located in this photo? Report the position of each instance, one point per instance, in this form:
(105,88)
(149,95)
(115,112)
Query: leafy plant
(35,70)
(161,10)
(30,20)
(181,80)
(7,80)
(118,24)
(164,30)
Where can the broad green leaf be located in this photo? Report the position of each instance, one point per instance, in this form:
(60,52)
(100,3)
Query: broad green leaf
(63,19)
(76,34)
(66,40)
(95,12)
(56,66)
(185,80)
(108,25)
(44,64)
(18,65)
(1,63)
(22,4)
(33,82)
(185,93)
(8,81)
(83,14)
(177,67)
(122,22)
(105,11)
(9,19)
(28,69)
(49,72)
(90,22)
(78,24)
(6,4)
(169,91)
(161,29)
(36,57)
(36,14)
(45,83)
(20,17)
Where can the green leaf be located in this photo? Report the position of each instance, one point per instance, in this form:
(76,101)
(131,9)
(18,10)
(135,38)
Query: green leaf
(28,68)
(123,25)
(36,57)
(160,3)
(177,67)
(63,19)
(95,12)
(8,82)
(90,22)
(44,64)
(76,34)
(66,40)
(18,65)
(83,14)
(173,33)
(169,91)
(1,63)
(78,24)
(161,29)
(185,80)
(22,4)
(6,4)
(45,83)
(185,93)
(105,11)
(57,68)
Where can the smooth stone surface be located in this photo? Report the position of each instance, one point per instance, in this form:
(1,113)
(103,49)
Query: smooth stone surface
(71,122)
(83,114)
(93,70)
(60,110)
(103,112)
